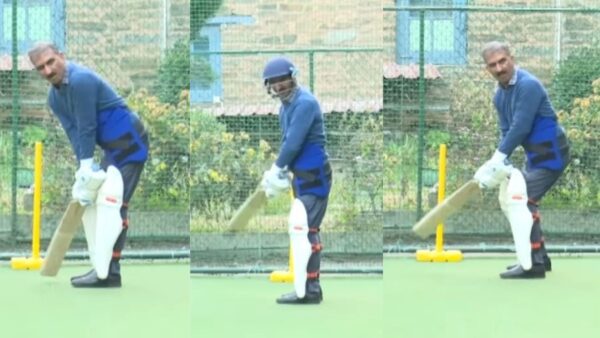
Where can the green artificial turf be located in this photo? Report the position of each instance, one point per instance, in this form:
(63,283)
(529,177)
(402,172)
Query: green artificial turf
(244,307)
(469,300)
(153,302)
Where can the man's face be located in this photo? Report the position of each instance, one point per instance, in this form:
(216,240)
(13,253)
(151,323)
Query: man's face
(50,65)
(280,86)
(500,65)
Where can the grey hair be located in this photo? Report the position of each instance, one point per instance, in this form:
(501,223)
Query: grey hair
(495,46)
(40,47)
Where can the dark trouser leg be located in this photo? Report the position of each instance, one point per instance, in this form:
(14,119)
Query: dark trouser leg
(115,267)
(131,175)
(539,181)
(315,210)
(538,250)
(314,263)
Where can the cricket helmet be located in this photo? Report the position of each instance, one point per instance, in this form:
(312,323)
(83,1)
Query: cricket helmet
(279,66)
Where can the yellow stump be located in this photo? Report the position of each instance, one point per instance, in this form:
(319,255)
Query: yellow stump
(439,254)
(35,261)
(284,276)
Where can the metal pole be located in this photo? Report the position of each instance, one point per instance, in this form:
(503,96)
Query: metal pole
(311,70)
(421,145)
(16,108)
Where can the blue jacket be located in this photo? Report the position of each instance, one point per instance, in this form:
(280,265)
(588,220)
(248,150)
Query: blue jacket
(303,144)
(91,113)
(527,118)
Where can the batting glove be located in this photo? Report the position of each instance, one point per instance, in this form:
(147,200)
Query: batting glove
(275,181)
(87,183)
(492,172)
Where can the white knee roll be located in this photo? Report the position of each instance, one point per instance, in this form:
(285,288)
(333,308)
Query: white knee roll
(108,222)
(301,248)
(513,200)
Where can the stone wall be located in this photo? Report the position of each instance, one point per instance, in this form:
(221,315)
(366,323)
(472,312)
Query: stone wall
(289,24)
(124,40)
(540,40)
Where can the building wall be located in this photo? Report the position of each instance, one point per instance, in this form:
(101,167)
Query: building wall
(124,39)
(539,40)
(290,24)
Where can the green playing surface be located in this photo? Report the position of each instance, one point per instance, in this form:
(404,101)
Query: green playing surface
(244,307)
(469,300)
(451,300)
(153,302)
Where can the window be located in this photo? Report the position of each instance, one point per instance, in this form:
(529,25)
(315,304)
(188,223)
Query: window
(445,34)
(207,86)
(36,20)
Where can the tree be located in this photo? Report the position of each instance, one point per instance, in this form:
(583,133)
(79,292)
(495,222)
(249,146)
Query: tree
(174,73)
(200,11)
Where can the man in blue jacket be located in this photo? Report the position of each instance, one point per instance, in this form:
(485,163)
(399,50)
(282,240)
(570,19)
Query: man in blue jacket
(92,113)
(303,153)
(526,118)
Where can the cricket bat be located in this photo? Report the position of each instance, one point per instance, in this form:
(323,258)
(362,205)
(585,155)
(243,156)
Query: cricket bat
(247,210)
(427,225)
(61,240)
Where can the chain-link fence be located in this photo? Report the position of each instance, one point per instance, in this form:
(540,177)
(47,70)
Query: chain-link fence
(437,90)
(141,49)
(236,135)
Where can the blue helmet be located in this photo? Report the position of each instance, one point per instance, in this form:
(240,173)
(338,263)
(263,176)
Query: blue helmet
(279,66)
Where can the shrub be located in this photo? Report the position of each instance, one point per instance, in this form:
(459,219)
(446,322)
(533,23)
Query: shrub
(226,166)
(174,73)
(166,172)
(579,188)
(200,11)
(574,77)
(359,159)
(58,164)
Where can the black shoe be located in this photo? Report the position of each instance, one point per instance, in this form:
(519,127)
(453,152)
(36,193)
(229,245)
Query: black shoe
(547,265)
(536,271)
(309,298)
(89,273)
(91,280)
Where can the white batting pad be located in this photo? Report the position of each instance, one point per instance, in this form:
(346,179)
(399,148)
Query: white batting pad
(89,228)
(108,222)
(301,248)
(513,200)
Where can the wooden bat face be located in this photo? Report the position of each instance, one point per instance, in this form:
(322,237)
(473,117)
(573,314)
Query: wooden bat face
(427,225)
(247,210)
(61,240)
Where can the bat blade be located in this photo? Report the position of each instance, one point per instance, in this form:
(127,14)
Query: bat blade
(247,210)
(427,225)
(61,240)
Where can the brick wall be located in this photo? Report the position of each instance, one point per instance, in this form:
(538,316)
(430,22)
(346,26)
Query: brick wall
(539,40)
(124,40)
(290,24)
